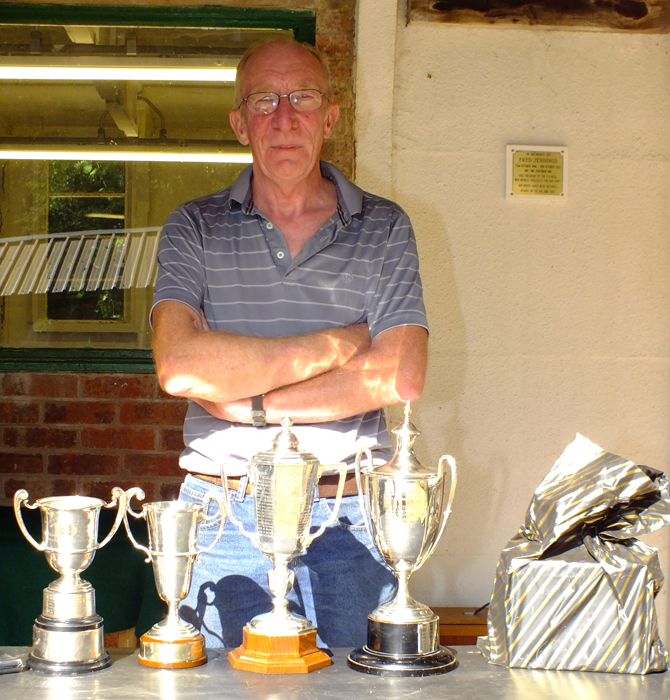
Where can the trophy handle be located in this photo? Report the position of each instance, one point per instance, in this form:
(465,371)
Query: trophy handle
(223,510)
(119,501)
(19,497)
(452,490)
(226,496)
(139,494)
(338,498)
(359,486)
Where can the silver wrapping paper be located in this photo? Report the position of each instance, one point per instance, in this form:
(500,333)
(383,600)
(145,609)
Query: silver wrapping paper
(575,589)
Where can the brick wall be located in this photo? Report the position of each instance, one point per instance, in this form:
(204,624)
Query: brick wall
(64,433)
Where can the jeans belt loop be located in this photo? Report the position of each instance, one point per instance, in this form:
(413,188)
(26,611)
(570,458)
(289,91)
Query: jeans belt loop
(241,492)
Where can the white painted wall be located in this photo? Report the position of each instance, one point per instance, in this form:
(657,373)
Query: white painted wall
(546,319)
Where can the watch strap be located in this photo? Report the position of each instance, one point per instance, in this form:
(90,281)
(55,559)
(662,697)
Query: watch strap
(257,412)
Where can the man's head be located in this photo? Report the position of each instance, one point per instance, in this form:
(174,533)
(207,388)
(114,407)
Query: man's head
(241,66)
(285,141)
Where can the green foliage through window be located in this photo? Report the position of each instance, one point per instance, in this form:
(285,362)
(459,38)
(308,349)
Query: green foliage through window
(75,204)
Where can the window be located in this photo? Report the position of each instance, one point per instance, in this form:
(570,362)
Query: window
(79,231)
(83,194)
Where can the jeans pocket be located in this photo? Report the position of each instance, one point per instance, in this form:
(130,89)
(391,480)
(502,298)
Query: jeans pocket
(349,516)
(193,494)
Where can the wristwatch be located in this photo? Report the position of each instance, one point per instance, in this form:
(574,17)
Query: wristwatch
(257,412)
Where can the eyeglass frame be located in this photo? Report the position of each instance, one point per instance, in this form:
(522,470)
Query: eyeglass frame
(287,95)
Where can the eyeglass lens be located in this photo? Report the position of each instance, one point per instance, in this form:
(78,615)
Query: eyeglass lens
(267,102)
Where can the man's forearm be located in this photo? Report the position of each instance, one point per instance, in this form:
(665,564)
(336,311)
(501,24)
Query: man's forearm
(391,371)
(197,363)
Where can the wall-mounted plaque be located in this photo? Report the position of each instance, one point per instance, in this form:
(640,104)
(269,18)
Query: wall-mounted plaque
(536,172)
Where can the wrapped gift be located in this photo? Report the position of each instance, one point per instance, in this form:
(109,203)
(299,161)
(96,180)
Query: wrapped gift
(575,589)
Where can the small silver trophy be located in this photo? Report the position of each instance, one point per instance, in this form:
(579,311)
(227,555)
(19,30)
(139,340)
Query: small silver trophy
(283,483)
(68,636)
(173,532)
(403,508)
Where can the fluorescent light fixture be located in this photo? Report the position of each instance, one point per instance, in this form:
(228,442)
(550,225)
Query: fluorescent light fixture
(72,68)
(142,150)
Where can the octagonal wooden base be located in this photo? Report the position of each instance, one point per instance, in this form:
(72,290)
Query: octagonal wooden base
(262,653)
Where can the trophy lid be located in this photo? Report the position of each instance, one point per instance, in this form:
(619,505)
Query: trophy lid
(405,461)
(284,449)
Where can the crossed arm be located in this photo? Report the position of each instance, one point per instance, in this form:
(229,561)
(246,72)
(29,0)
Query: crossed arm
(316,377)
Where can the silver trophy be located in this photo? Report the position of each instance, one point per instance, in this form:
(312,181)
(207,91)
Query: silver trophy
(173,532)
(405,515)
(68,636)
(283,483)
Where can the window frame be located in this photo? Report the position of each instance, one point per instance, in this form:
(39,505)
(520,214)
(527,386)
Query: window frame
(301,22)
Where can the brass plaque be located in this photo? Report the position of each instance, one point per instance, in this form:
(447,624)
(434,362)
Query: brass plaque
(536,171)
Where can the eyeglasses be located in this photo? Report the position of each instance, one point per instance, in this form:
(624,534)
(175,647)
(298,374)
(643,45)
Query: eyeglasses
(266,102)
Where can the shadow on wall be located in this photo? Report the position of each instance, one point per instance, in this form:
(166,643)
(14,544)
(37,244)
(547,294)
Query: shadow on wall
(437,415)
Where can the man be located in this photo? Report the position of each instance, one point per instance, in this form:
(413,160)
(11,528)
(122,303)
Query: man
(293,293)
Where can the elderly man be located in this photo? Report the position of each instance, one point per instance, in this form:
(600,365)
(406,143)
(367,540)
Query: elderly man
(293,292)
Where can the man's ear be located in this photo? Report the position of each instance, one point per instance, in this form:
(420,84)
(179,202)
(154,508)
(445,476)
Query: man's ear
(331,119)
(239,127)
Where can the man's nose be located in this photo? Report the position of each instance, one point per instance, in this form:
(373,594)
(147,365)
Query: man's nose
(285,110)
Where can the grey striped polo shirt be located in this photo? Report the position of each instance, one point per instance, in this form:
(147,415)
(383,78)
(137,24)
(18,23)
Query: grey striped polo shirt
(220,254)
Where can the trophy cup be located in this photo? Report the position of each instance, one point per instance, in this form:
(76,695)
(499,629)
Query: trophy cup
(283,483)
(402,504)
(173,533)
(68,635)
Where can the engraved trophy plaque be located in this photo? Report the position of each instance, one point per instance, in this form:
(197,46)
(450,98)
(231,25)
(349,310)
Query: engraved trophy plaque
(404,512)
(68,636)
(283,483)
(173,532)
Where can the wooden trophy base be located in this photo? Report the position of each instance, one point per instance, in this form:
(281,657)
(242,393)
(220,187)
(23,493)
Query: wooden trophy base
(181,653)
(263,653)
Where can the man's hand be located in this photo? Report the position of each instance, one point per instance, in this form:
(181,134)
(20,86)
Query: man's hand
(391,371)
(210,365)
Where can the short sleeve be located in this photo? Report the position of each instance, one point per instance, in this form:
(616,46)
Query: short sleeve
(181,268)
(398,298)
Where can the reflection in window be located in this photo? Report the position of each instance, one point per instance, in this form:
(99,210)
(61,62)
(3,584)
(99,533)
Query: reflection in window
(78,236)
(75,204)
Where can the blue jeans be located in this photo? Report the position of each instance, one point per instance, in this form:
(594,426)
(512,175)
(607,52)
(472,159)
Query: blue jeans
(339,581)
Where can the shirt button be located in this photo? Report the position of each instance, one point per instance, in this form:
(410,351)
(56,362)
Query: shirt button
(280,254)
(269,225)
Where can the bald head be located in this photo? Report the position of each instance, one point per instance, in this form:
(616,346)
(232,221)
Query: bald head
(278,45)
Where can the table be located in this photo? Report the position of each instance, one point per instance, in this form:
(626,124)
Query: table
(474,679)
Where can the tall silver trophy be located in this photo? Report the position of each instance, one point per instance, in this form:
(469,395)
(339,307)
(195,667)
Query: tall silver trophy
(403,504)
(283,483)
(68,636)
(173,532)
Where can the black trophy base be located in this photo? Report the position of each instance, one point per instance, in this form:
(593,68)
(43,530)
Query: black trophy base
(68,647)
(374,663)
(68,668)
(405,649)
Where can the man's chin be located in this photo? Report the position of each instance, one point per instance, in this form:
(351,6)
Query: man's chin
(290,166)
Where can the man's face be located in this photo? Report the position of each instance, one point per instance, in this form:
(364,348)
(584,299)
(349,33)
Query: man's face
(285,144)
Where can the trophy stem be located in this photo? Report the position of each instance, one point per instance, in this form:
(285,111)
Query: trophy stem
(173,621)
(403,597)
(68,581)
(280,581)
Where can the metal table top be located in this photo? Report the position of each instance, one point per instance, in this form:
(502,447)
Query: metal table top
(474,679)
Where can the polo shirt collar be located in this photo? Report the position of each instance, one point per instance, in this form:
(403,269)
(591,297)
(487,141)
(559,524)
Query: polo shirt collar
(349,196)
